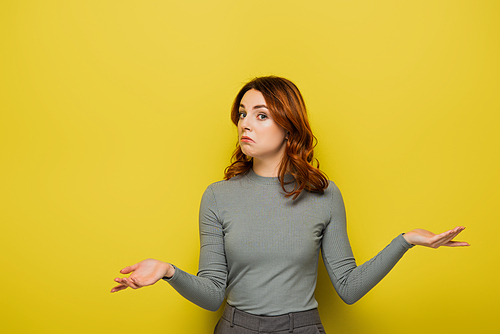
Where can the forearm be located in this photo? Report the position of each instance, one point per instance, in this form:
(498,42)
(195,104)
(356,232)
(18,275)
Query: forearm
(206,292)
(207,289)
(353,282)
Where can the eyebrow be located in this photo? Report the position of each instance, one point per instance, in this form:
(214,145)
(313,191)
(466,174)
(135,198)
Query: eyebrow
(255,107)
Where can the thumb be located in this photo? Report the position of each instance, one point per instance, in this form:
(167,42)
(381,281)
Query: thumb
(129,269)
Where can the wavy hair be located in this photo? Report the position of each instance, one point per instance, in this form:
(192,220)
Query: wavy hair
(287,108)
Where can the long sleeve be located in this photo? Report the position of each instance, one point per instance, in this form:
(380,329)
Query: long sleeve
(206,289)
(260,249)
(351,281)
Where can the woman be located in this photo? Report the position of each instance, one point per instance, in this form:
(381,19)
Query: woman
(261,228)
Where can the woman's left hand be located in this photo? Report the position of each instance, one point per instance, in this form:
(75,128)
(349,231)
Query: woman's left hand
(429,239)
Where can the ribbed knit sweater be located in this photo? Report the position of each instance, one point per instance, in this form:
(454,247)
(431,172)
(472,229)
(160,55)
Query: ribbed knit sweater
(260,249)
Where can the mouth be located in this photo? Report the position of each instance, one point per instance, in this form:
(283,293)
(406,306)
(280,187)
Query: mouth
(245,139)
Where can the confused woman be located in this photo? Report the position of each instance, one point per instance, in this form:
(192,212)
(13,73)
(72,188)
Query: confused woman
(263,226)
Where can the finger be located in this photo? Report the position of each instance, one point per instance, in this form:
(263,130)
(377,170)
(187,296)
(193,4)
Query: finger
(458,229)
(130,283)
(136,282)
(446,237)
(438,239)
(456,244)
(125,281)
(129,269)
(450,236)
(444,240)
(119,288)
(451,233)
(120,280)
(454,231)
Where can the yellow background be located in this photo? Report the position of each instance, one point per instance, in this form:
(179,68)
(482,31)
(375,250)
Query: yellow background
(115,118)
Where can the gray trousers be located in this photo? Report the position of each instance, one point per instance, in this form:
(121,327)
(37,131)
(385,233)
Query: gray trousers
(234,321)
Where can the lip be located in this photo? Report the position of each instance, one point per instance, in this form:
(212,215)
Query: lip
(245,139)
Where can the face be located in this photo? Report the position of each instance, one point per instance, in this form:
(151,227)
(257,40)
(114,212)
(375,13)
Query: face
(259,135)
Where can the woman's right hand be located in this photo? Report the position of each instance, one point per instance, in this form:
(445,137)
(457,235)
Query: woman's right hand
(144,273)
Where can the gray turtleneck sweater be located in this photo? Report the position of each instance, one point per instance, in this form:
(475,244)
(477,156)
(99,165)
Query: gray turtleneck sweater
(260,249)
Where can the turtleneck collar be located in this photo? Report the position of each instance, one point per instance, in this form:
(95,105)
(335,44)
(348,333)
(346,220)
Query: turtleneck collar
(254,177)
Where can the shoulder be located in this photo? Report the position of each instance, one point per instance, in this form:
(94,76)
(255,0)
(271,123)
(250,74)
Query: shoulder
(333,197)
(325,197)
(225,186)
(332,190)
(222,194)
(222,184)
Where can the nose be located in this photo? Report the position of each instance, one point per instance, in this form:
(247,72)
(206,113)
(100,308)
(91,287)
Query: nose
(245,123)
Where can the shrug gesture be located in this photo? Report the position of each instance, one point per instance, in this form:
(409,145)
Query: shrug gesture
(150,271)
(144,273)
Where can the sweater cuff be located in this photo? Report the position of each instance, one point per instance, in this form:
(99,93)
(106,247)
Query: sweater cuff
(403,242)
(174,276)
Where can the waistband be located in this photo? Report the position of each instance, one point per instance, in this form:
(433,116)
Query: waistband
(271,323)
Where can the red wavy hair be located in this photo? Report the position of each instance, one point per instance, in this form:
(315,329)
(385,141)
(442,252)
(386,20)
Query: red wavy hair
(287,108)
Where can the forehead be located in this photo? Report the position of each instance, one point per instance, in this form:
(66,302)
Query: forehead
(252,98)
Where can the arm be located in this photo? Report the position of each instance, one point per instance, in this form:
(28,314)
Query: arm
(351,281)
(208,288)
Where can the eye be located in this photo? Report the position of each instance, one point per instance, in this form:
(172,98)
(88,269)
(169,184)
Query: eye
(242,114)
(262,116)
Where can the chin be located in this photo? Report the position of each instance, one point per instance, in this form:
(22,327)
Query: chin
(248,154)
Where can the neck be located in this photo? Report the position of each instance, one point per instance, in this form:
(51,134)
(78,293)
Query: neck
(266,168)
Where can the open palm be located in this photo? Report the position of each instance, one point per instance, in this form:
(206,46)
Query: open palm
(426,238)
(144,273)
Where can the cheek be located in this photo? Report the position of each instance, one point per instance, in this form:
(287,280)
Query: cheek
(276,133)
